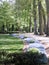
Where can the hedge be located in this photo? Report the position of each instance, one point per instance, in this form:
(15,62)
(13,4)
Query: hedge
(27,58)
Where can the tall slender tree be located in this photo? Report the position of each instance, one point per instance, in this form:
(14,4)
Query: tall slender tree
(47,5)
(35,16)
(41,29)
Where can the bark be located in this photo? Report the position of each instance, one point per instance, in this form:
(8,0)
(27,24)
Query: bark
(3,27)
(47,29)
(12,27)
(35,18)
(30,25)
(45,23)
(40,19)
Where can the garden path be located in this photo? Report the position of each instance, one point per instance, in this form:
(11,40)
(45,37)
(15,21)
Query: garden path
(43,39)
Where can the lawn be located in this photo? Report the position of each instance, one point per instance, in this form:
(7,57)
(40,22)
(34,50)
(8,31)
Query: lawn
(10,44)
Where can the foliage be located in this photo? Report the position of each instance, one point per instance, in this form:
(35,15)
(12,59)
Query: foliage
(34,50)
(23,16)
(22,58)
(6,15)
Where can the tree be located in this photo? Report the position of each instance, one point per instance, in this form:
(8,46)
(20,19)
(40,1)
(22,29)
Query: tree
(41,28)
(6,14)
(35,16)
(47,5)
(24,11)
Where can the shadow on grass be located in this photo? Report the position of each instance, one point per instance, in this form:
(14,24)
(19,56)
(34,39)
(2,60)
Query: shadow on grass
(7,36)
(11,49)
(10,42)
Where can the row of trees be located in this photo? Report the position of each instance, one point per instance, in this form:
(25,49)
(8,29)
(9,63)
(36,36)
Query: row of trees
(6,16)
(36,14)
(25,15)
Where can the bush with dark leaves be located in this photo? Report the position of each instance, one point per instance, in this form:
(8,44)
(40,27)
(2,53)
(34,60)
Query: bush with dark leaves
(28,58)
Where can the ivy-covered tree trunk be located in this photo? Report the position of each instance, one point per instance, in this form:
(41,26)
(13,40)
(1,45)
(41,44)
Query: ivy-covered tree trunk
(41,29)
(47,4)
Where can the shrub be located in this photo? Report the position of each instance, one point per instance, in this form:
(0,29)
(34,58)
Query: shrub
(28,58)
(34,50)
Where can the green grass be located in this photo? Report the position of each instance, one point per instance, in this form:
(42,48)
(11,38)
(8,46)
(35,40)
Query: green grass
(10,44)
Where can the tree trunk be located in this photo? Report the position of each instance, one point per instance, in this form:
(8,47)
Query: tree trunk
(3,28)
(40,18)
(30,14)
(30,25)
(45,23)
(47,29)
(35,18)
(12,27)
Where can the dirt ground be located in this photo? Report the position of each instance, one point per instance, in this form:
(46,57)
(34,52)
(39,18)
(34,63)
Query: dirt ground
(43,40)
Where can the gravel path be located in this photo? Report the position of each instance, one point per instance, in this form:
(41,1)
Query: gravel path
(44,40)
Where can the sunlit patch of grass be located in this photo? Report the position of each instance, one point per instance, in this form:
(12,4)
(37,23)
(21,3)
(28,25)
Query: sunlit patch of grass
(10,44)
